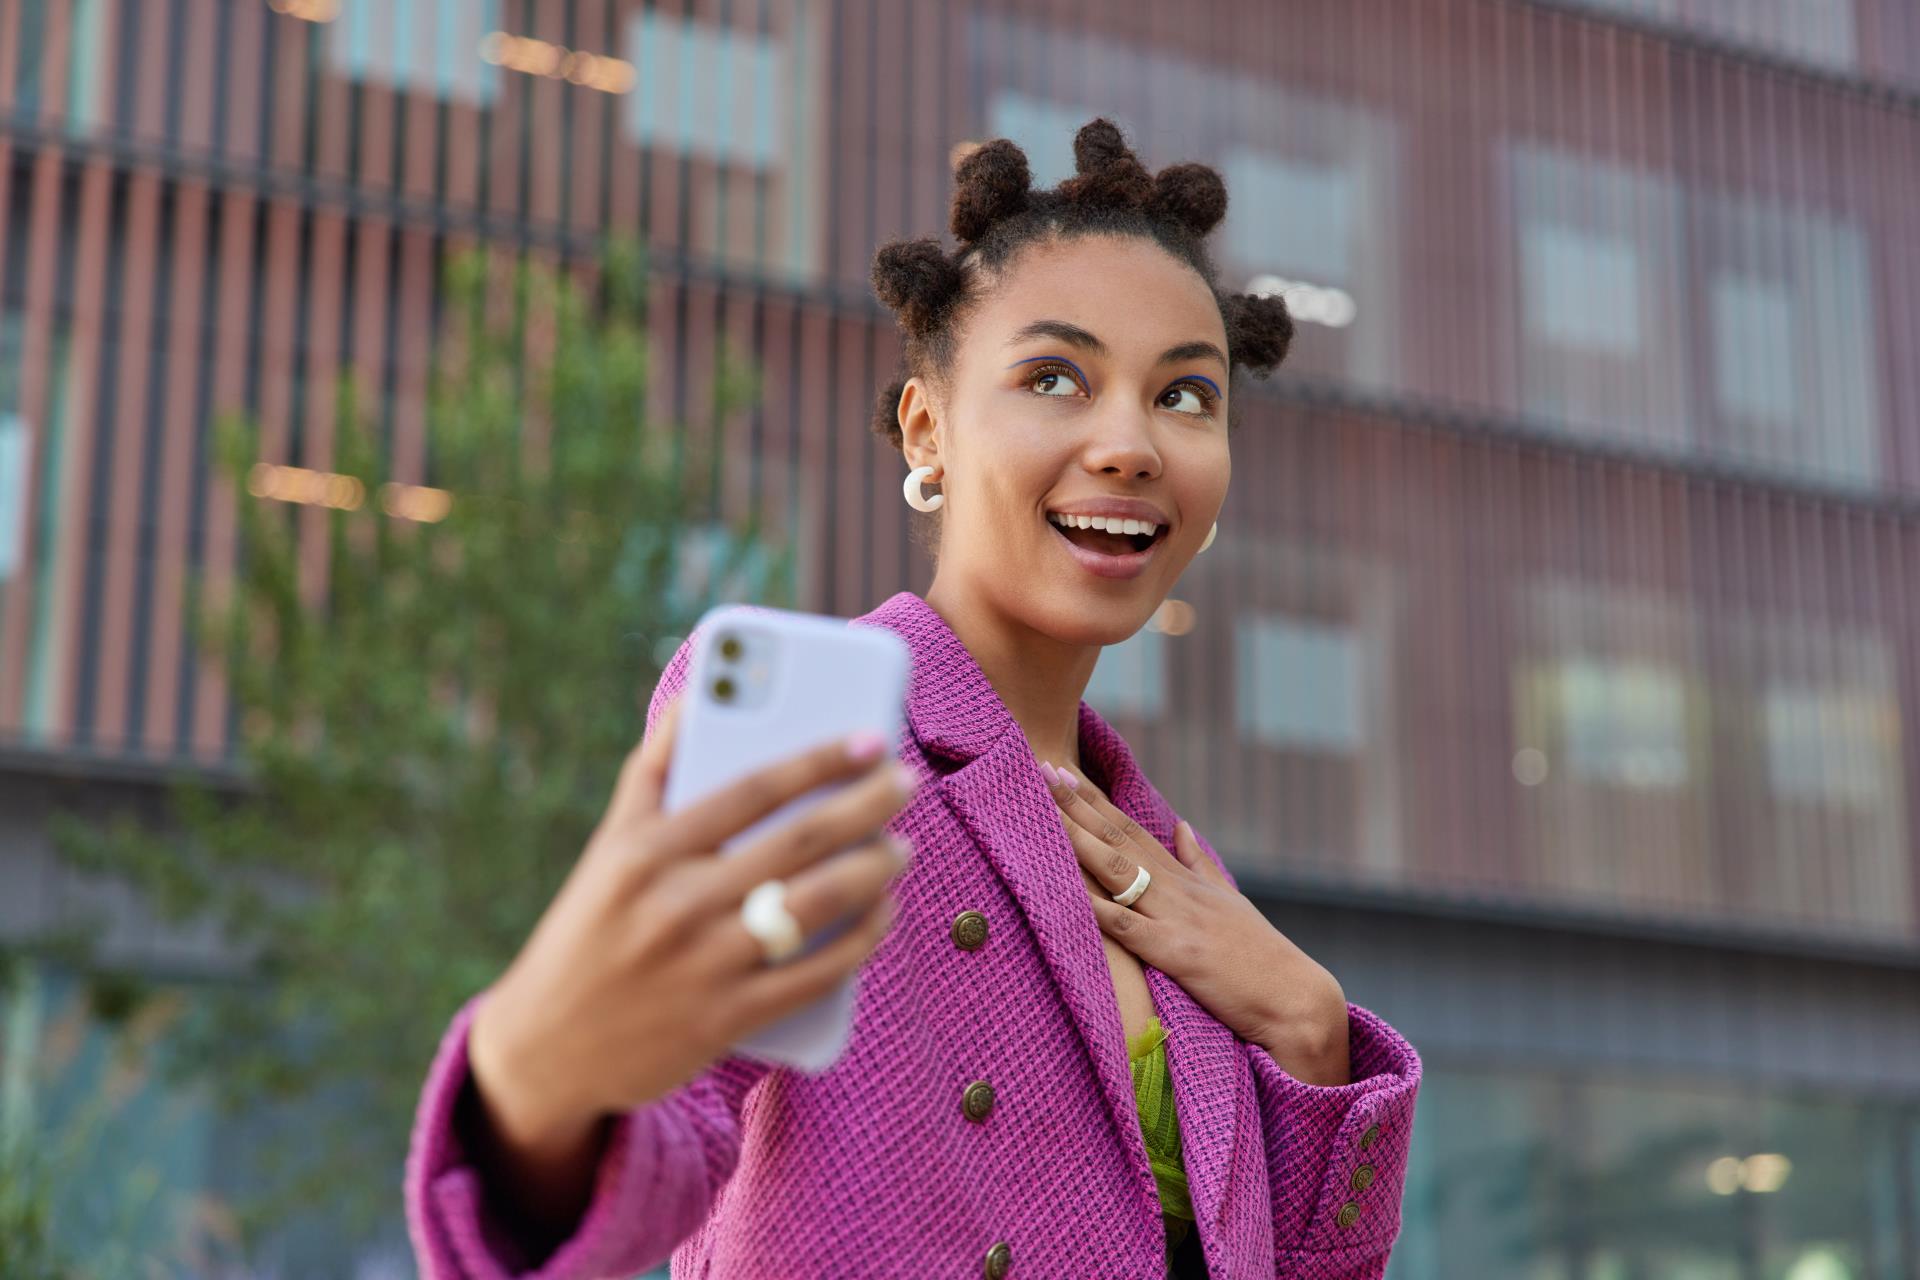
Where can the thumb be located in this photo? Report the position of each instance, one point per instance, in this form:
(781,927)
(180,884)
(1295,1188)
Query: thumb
(1186,847)
(643,778)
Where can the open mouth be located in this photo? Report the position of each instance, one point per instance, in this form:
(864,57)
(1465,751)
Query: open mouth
(1107,537)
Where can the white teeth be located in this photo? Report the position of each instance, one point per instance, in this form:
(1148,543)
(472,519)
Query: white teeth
(1108,524)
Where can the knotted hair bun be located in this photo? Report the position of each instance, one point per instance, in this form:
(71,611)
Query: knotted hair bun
(1107,175)
(1192,195)
(917,281)
(996,213)
(990,186)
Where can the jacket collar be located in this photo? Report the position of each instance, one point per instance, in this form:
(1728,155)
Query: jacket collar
(996,789)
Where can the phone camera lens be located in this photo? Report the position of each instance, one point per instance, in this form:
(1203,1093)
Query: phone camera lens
(730,647)
(723,688)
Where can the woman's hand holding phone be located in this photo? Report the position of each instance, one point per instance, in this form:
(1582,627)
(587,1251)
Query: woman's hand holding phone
(640,973)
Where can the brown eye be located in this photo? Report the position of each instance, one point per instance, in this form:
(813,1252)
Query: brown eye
(1055,375)
(1201,394)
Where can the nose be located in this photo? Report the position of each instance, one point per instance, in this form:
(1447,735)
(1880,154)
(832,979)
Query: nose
(1121,444)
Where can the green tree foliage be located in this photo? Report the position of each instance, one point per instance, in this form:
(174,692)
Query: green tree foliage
(432,725)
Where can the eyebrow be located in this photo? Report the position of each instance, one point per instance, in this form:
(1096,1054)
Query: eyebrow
(1074,335)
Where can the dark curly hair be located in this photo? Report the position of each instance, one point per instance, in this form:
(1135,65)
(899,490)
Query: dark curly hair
(996,213)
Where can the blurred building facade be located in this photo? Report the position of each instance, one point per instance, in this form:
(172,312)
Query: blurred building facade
(1555,674)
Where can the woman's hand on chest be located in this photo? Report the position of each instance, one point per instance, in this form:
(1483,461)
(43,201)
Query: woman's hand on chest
(1196,928)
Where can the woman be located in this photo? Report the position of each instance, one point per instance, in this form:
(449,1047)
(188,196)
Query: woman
(1206,1102)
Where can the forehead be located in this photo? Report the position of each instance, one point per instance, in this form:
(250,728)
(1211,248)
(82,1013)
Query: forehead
(1138,298)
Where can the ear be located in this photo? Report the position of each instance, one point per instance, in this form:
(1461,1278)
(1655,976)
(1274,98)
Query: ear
(919,429)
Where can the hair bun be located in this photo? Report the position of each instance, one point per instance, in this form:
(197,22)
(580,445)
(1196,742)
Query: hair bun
(1192,195)
(917,280)
(1259,330)
(1107,173)
(993,183)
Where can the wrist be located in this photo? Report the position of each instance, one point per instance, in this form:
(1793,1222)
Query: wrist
(517,1095)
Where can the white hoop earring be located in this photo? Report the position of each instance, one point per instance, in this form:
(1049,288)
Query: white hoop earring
(1210,532)
(916,497)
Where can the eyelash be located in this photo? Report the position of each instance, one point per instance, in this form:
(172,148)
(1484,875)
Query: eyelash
(1207,397)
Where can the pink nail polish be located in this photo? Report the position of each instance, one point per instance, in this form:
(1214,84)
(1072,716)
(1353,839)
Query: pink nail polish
(1073,783)
(865,745)
(1052,775)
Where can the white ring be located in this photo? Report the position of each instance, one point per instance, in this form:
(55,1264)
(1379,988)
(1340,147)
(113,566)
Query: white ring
(1131,894)
(764,913)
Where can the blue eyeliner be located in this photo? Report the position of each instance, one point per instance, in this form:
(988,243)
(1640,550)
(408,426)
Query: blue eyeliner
(1197,377)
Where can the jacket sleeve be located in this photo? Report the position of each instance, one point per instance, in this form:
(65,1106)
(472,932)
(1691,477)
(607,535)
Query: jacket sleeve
(1337,1152)
(660,1172)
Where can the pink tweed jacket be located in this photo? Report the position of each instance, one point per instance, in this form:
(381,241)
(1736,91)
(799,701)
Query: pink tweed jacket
(871,1168)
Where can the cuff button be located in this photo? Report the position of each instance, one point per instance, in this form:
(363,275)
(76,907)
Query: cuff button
(1349,1213)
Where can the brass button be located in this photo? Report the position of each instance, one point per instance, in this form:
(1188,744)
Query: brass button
(1363,1177)
(999,1261)
(977,1101)
(969,930)
(1366,1139)
(1348,1212)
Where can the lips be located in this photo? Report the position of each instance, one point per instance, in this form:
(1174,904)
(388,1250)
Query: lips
(1110,555)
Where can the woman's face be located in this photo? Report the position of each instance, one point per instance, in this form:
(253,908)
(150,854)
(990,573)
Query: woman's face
(1092,379)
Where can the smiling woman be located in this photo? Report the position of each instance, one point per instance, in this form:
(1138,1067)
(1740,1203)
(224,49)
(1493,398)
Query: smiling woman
(1079,1050)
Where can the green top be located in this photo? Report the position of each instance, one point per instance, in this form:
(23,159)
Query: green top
(1153,1093)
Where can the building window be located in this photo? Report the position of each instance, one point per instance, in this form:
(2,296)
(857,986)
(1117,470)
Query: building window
(16,453)
(1299,684)
(1610,759)
(1598,300)
(1824,785)
(1130,679)
(1620,723)
(1314,218)
(1789,312)
(1753,350)
(749,104)
(430,47)
(1311,777)
(1582,289)
(1833,746)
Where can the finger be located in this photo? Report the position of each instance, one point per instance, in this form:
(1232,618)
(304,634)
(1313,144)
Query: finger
(1106,822)
(1113,869)
(845,885)
(707,823)
(1142,935)
(852,814)
(781,988)
(643,776)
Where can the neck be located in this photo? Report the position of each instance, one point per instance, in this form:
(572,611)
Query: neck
(1039,678)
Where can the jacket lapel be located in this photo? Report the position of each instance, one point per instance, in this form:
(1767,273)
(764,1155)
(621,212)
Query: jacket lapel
(998,793)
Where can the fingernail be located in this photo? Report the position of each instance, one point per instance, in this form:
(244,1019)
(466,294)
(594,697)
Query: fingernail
(865,745)
(905,778)
(1073,783)
(1053,775)
(902,848)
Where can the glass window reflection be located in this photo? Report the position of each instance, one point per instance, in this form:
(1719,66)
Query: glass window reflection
(1532,1175)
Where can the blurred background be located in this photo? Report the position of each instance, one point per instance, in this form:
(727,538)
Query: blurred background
(1550,680)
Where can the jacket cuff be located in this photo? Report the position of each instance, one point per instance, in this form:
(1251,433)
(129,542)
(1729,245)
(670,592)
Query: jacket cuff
(1337,1154)
(457,1236)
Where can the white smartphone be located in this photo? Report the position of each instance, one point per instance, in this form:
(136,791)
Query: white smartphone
(763,684)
